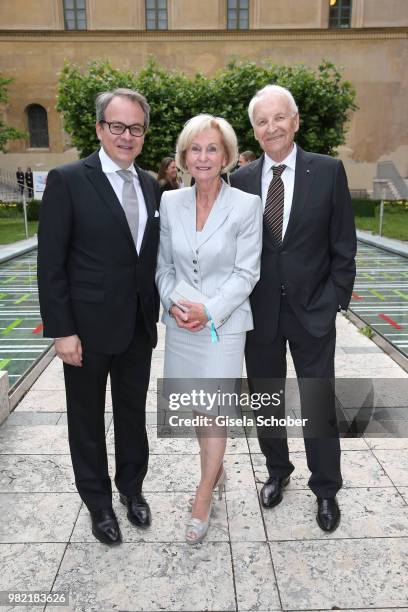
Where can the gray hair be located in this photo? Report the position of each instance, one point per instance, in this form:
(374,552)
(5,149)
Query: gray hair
(267,91)
(105,97)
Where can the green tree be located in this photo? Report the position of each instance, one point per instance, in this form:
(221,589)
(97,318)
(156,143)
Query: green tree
(76,99)
(171,98)
(324,99)
(7,133)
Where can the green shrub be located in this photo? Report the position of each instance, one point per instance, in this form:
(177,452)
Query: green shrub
(9,210)
(7,133)
(364,207)
(33,210)
(324,99)
(396,204)
(370,208)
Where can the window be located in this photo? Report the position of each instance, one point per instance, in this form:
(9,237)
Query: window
(38,126)
(75,14)
(237,14)
(340,13)
(156,15)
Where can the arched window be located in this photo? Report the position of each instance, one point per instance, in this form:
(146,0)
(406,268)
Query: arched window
(37,126)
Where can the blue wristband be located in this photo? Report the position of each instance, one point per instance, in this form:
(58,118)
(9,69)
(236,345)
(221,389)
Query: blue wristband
(214,335)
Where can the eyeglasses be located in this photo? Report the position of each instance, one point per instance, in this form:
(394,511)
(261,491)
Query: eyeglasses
(117,128)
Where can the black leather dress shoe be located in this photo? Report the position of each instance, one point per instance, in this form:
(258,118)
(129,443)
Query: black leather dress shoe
(105,527)
(271,492)
(328,513)
(138,509)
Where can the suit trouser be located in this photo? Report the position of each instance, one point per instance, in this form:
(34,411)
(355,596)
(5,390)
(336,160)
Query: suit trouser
(313,359)
(86,389)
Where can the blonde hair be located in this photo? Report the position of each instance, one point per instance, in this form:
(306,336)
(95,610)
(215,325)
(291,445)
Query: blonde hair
(199,124)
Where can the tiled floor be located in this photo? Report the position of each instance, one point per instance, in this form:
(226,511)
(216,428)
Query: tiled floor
(252,560)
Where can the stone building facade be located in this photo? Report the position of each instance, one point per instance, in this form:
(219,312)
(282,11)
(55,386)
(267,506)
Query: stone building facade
(368,38)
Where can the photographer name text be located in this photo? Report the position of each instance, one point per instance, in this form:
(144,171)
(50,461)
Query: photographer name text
(176,420)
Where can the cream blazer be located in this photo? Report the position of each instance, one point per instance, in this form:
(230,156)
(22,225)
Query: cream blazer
(222,261)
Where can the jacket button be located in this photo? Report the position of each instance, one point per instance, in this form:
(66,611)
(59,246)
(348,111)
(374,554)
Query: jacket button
(195,270)
(194,261)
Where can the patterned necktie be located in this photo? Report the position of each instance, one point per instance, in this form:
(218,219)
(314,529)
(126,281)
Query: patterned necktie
(130,202)
(274,204)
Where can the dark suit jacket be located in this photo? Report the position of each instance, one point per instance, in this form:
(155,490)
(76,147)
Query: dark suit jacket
(90,277)
(29,179)
(316,261)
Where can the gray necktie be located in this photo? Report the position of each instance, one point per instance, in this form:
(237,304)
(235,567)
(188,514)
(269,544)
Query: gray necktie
(130,202)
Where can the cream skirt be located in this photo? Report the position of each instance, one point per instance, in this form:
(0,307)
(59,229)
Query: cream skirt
(193,362)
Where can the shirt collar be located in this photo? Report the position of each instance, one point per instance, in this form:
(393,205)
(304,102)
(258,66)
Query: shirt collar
(289,161)
(109,166)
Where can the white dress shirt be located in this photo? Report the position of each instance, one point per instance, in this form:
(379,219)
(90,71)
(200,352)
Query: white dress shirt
(288,178)
(110,168)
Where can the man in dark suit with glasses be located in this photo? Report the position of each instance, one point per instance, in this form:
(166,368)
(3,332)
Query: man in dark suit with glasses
(98,240)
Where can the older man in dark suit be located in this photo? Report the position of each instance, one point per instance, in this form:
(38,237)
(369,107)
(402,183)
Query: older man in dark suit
(307,275)
(98,240)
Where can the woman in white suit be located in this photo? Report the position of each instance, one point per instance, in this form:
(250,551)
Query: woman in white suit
(211,238)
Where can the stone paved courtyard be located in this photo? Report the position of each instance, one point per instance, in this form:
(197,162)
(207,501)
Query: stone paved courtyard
(252,559)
